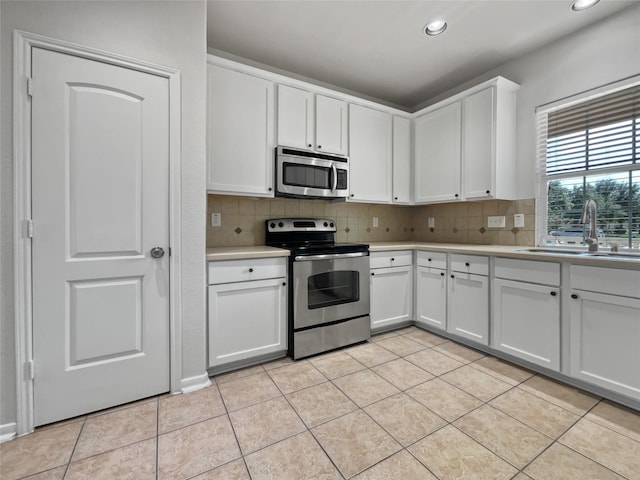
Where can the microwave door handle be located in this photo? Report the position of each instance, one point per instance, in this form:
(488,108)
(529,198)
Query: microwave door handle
(335,178)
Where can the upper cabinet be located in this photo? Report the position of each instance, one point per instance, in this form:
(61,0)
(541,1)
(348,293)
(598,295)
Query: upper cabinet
(401,160)
(311,121)
(465,145)
(370,144)
(240,133)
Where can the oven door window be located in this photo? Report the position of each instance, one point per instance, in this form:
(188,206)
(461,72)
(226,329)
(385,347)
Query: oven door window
(309,176)
(333,288)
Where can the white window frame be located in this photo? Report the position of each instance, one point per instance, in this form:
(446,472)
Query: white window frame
(542,178)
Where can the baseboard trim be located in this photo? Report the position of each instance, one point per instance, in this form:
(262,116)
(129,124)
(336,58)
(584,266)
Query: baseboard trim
(192,384)
(8,432)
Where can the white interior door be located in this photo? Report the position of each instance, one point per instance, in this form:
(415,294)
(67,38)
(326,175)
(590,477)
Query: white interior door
(100,173)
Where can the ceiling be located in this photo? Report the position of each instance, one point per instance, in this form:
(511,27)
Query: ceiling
(378,48)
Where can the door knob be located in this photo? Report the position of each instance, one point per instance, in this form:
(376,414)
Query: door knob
(157,252)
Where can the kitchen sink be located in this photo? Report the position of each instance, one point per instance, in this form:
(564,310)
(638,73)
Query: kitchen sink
(560,251)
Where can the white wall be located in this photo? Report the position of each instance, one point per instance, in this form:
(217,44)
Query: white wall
(169,33)
(595,56)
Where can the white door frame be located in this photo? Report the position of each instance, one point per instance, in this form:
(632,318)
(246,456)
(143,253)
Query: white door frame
(23,43)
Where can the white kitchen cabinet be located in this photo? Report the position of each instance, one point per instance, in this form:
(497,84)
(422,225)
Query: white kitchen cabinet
(370,158)
(605,328)
(526,315)
(465,145)
(468,298)
(391,289)
(247,311)
(431,289)
(437,155)
(240,133)
(311,121)
(401,160)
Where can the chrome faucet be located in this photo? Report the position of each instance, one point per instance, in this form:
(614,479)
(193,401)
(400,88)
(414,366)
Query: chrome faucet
(589,216)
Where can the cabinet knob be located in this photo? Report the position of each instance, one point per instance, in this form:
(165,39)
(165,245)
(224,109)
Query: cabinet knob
(270,189)
(442,274)
(352,194)
(251,270)
(373,273)
(428,259)
(488,192)
(319,147)
(553,294)
(456,195)
(574,296)
(395,198)
(310,145)
(453,276)
(284,284)
(393,259)
(467,264)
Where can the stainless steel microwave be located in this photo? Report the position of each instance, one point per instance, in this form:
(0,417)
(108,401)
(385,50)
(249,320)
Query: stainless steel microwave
(302,173)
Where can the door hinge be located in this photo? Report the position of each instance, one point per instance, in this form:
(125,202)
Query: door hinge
(29,370)
(30,86)
(169,251)
(29,228)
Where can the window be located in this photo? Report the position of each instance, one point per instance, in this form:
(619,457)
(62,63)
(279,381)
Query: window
(589,149)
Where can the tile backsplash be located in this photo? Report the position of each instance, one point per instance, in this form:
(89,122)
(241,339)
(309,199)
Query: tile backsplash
(465,222)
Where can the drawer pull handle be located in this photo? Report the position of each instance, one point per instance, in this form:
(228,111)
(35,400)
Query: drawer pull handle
(442,274)
(553,294)
(393,259)
(467,264)
(251,270)
(574,296)
(428,259)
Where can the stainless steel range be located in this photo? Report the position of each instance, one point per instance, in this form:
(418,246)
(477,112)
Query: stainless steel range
(328,285)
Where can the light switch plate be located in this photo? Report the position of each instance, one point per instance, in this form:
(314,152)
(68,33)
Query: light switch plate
(518,220)
(431,222)
(496,222)
(375,222)
(216,219)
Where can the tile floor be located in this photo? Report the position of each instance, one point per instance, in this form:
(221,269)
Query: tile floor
(406,405)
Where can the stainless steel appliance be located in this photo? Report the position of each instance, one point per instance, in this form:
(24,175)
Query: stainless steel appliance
(301,173)
(328,285)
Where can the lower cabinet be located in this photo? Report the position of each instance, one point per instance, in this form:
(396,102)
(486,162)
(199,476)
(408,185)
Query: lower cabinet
(526,310)
(391,289)
(246,319)
(526,321)
(431,289)
(468,298)
(605,329)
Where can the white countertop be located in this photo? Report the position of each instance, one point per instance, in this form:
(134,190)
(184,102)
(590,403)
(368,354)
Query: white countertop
(262,251)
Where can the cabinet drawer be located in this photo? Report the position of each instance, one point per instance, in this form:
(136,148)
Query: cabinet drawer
(470,264)
(606,280)
(401,258)
(432,259)
(546,273)
(227,271)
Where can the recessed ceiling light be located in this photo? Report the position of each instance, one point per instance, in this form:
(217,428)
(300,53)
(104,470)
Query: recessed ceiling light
(435,27)
(583,4)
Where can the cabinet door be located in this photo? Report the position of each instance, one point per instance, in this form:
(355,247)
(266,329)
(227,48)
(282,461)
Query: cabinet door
(295,117)
(605,341)
(401,160)
(246,319)
(391,296)
(431,296)
(370,155)
(331,125)
(478,145)
(437,155)
(468,303)
(240,133)
(526,322)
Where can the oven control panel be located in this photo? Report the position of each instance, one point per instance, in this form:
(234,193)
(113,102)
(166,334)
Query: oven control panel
(300,225)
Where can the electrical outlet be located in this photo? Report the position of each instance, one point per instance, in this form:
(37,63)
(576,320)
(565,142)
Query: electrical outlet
(431,222)
(216,219)
(375,222)
(496,222)
(518,220)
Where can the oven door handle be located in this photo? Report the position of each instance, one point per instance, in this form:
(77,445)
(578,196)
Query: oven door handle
(335,178)
(331,256)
